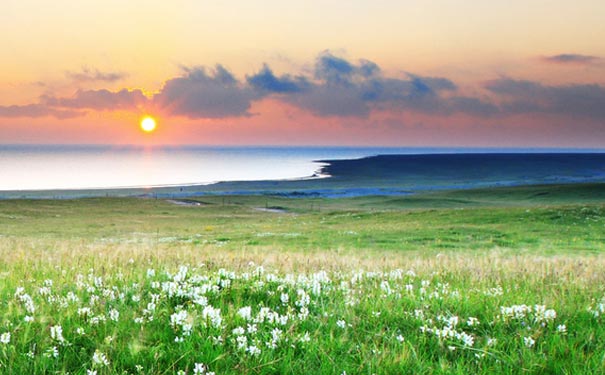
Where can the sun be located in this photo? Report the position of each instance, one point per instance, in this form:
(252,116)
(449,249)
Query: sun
(148,124)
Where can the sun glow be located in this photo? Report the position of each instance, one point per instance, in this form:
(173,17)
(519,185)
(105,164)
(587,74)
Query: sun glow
(148,124)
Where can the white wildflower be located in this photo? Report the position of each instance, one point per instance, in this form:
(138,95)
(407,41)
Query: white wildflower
(467,339)
(5,338)
(100,359)
(84,311)
(187,329)
(561,328)
(253,350)
(251,328)
(284,298)
(56,333)
(452,321)
(201,300)
(341,324)
(114,315)
(515,311)
(543,315)
(399,338)
(242,342)
(303,298)
(529,341)
(213,315)
(305,338)
(178,318)
(52,352)
(276,334)
(97,319)
(386,287)
(245,313)
(199,369)
(303,314)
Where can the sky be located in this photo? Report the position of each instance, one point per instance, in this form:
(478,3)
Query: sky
(452,73)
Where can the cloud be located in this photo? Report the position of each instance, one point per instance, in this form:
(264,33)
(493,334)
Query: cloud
(354,89)
(332,69)
(472,106)
(336,87)
(99,100)
(94,75)
(328,100)
(570,58)
(36,110)
(200,93)
(576,100)
(266,81)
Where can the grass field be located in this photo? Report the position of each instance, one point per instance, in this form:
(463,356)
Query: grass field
(506,280)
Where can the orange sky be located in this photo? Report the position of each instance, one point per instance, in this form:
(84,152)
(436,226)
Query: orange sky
(448,73)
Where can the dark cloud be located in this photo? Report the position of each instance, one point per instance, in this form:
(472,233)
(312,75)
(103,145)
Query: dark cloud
(36,110)
(99,100)
(576,100)
(94,75)
(514,88)
(434,83)
(344,88)
(266,81)
(472,106)
(329,100)
(203,94)
(332,69)
(570,58)
(368,68)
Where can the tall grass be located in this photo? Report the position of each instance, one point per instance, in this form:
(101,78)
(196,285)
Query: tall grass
(127,286)
(160,309)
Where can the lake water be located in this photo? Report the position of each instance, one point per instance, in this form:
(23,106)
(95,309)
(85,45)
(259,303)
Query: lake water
(48,167)
(34,167)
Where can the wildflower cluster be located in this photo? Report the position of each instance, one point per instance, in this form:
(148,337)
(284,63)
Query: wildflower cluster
(230,319)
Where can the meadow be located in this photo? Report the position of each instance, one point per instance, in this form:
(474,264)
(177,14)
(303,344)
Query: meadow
(506,281)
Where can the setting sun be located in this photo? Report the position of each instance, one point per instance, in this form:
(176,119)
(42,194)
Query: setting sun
(148,124)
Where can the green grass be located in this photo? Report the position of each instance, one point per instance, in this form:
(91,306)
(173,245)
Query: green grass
(374,285)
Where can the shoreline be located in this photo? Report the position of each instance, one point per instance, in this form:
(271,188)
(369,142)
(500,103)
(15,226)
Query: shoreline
(378,175)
